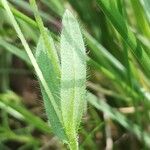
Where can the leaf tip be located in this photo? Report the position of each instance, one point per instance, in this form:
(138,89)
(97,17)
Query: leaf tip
(68,13)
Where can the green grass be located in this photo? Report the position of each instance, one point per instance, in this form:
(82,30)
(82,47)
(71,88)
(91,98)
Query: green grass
(92,64)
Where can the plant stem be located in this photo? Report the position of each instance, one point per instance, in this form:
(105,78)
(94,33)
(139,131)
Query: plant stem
(73,143)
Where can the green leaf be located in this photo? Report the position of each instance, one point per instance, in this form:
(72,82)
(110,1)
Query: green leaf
(51,53)
(48,62)
(53,81)
(142,21)
(73,75)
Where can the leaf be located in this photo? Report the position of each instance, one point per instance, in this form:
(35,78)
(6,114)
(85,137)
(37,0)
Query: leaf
(73,74)
(142,21)
(38,71)
(53,81)
(48,62)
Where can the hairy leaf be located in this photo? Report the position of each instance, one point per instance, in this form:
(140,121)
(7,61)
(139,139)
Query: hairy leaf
(73,74)
(53,82)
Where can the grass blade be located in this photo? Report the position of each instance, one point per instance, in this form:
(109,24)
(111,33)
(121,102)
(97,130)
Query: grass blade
(117,116)
(146,5)
(101,52)
(117,20)
(14,50)
(11,102)
(141,19)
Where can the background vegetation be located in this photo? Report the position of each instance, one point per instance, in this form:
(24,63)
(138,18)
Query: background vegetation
(117,38)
